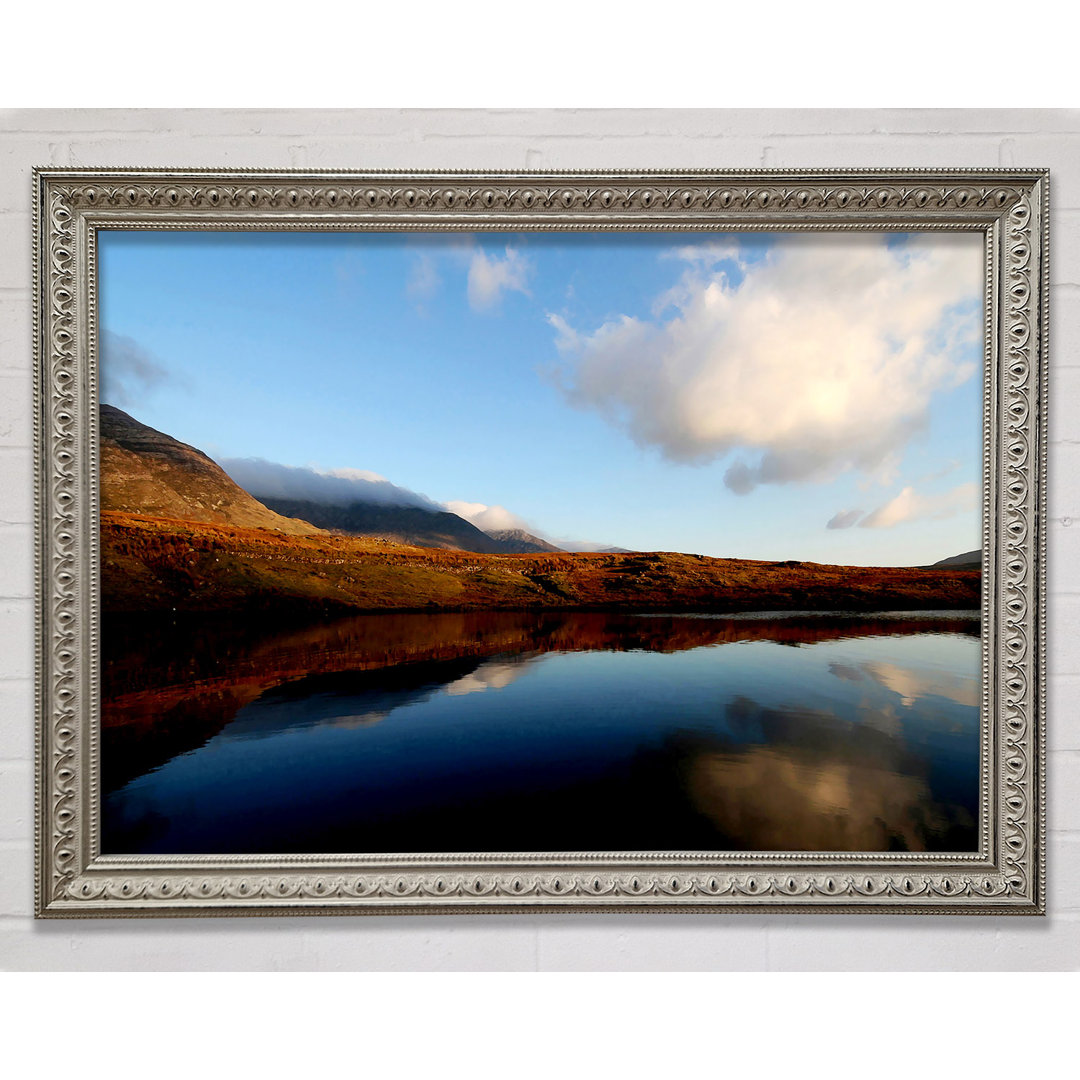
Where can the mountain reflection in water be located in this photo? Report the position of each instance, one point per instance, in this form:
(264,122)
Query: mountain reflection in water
(534,731)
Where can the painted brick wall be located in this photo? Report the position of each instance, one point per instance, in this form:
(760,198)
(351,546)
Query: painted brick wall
(537,139)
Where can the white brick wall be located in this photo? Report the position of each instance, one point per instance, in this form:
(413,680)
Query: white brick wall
(538,139)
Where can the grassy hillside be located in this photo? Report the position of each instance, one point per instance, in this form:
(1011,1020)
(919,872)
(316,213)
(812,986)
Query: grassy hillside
(145,471)
(150,564)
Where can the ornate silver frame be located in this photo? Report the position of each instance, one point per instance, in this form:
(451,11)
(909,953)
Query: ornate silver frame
(1007,874)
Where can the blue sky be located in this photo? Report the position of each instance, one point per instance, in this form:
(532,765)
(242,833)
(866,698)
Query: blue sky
(730,395)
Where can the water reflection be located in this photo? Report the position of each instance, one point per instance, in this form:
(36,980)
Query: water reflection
(807,780)
(911,685)
(540,732)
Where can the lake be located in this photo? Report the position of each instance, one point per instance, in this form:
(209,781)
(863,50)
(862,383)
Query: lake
(542,731)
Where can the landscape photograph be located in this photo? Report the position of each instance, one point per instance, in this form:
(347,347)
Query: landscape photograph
(525,542)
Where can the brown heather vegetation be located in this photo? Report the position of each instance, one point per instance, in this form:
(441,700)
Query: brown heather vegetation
(164,564)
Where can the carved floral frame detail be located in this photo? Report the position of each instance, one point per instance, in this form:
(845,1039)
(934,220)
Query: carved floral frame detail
(1006,875)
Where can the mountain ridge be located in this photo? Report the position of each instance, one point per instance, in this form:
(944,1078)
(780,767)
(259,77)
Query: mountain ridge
(145,471)
(412,525)
(968,558)
(520,541)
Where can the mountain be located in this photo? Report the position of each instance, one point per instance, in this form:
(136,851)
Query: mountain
(414,525)
(144,471)
(599,549)
(520,542)
(968,559)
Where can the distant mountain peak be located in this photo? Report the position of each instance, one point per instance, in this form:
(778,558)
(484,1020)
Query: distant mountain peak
(585,546)
(968,558)
(520,541)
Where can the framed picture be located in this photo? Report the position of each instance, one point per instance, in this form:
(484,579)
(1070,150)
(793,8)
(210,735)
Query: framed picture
(533,541)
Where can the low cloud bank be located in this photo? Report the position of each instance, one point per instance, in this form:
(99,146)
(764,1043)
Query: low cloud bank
(487,518)
(328,487)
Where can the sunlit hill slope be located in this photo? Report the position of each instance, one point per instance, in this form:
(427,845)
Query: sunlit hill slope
(158,563)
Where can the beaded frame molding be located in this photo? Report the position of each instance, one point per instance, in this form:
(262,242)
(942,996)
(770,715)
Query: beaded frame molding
(1005,876)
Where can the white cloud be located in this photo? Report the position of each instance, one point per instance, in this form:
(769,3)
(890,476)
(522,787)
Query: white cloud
(129,372)
(844,519)
(327,487)
(487,518)
(490,276)
(355,474)
(909,505)
(823,358)
(702,259)
(709,254)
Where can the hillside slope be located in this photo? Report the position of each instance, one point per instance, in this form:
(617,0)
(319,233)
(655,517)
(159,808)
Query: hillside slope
(144,471)
(151,564)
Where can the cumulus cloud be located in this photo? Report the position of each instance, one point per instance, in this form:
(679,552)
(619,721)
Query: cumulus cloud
(844,519)
(487,518)
(909,505)
(328,487)
(129,372)
(822,358)
(490,276)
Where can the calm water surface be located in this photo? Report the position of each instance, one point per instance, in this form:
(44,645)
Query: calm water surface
(532,732)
